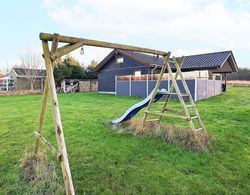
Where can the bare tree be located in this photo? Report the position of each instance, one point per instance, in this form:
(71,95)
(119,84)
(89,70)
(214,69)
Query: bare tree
(32,64)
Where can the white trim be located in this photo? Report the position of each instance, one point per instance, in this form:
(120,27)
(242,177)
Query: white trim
(14,71)
(195,88)
(220,83)
(7,85)
(214,87)
(207,88)
(147,85)
(130,85)
(107,92)
(115,85)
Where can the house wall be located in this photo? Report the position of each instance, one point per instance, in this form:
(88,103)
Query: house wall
(25,84)
(13,75)
(106,76)
(22,83)
(196,73)
(226,68)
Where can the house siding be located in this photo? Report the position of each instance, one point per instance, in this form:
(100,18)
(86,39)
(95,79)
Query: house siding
(25,84)
(22,83)
(106,75)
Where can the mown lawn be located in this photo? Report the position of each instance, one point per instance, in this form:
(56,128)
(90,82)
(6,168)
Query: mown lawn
(105,161)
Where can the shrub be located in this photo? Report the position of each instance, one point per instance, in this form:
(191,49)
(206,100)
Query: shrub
(186,138)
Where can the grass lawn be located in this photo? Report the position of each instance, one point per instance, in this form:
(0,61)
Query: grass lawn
(105,161)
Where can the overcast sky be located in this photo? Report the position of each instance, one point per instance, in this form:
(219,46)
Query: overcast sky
(180,26)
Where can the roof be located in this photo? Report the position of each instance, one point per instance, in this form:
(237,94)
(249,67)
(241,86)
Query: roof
(2,74)
(207,61)
(6,78)
(24,72)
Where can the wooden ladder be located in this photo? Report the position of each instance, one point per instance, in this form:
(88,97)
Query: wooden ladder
(174,87)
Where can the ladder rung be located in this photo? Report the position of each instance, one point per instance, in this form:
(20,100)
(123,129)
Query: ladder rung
(198,129)
(194,117)
(167,115)
(189,106)
(152,120)
(173,110)
(167,93)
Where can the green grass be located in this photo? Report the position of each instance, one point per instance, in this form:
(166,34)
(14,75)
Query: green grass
(105,161)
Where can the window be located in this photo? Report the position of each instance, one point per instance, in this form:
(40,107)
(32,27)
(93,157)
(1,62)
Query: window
(119,60)
(137,73)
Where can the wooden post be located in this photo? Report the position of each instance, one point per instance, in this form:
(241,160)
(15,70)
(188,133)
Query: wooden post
(170,90)
(72,44)
(42,116)
(225,81)
(155,90)
(178,69)
(45,98)
(57,122)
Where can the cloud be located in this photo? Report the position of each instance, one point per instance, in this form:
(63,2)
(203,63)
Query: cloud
(90,53)
(16,60)
(50,3)
(6,66)
(210,22)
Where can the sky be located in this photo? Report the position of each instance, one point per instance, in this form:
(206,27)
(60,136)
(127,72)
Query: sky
(183,27)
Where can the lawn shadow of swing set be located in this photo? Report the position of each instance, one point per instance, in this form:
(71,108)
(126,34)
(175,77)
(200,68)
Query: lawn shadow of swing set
(51,53)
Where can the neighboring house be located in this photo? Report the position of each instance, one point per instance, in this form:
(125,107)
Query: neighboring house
(2,74)
(28,79)
(119,63)
(6,82)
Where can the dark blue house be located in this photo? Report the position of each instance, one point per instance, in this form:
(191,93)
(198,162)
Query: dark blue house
(120,62)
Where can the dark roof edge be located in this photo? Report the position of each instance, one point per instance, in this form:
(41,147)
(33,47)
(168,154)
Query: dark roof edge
(133,57)
(234,61)
(112,53)
(105,60)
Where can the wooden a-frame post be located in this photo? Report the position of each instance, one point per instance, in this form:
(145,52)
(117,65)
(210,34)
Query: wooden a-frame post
(72,44)
(174,86)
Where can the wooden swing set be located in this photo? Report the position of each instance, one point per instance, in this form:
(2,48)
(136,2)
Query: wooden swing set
(51,53)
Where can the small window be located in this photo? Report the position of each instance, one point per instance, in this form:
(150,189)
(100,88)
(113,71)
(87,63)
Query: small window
(119,60)
(137,73)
